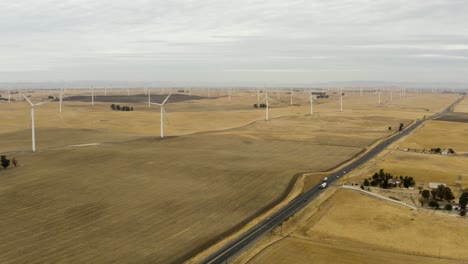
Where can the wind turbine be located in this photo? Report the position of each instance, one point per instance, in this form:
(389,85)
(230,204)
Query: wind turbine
(33,106)
(162,114)
(149,98)
(267,99)
(92,96)
(291,95)
(311,99)
(61,100)
(341,101)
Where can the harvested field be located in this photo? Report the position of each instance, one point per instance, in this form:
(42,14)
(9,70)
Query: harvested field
(347,230)
(439,134)
(146,200)
(462,106)
(455,117)
(152,200)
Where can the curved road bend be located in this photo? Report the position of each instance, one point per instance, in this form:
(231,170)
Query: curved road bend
(231,249)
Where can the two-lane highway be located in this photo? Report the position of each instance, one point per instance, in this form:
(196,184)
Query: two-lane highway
(235,246)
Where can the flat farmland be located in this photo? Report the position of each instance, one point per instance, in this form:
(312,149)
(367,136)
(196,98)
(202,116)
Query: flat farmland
(104,188)
(346,229)
(439,134)
(147,200)
(426,168)
(462,106)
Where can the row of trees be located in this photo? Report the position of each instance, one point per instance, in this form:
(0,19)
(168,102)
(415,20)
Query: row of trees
(261,105)
(121,108)
(443,193)
(386,180)
(5,163)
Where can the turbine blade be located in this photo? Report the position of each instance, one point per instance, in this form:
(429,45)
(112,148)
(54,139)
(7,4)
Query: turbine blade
(167,98)
(157,104)
(28,100)
(41,103)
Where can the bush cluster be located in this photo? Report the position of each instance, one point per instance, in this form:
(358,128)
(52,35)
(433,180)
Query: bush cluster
(121,108)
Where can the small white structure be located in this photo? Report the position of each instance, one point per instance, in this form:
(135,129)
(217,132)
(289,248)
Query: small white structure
(434,185)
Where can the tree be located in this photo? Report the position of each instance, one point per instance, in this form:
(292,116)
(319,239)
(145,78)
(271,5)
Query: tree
(426,194)
(113,106)
(4,162)
(366,182)
(401,127)
(463,201)
(463,212)
(408,181)
(434,204)
(448,207)
(389,128)
(434,193)
(440,191)
(448,195)
(15,162)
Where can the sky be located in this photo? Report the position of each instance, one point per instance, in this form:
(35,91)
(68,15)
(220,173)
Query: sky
(242,41)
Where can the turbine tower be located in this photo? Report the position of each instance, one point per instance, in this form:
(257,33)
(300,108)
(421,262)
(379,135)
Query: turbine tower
(291,95)
(267,109)
(311,99)
(162,114)
(341,101)
(149,98)
(92,97)
(33,106)
(61,100)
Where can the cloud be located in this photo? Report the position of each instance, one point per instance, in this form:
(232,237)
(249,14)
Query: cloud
(208,40)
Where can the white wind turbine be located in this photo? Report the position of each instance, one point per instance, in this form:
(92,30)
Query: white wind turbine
(92,96)
(291,95)
(61,100)
(341,101)
(162,114)
(267,109)
(33,106)
(311,99)
(149,98)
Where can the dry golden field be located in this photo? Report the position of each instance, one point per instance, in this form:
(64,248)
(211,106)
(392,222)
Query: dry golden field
(127,196)
(439,134)
(462,106)
(145,200)
(352,227)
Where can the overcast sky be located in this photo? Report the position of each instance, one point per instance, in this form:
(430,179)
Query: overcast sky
(220,41)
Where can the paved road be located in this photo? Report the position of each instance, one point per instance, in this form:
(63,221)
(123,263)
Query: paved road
(232,248)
